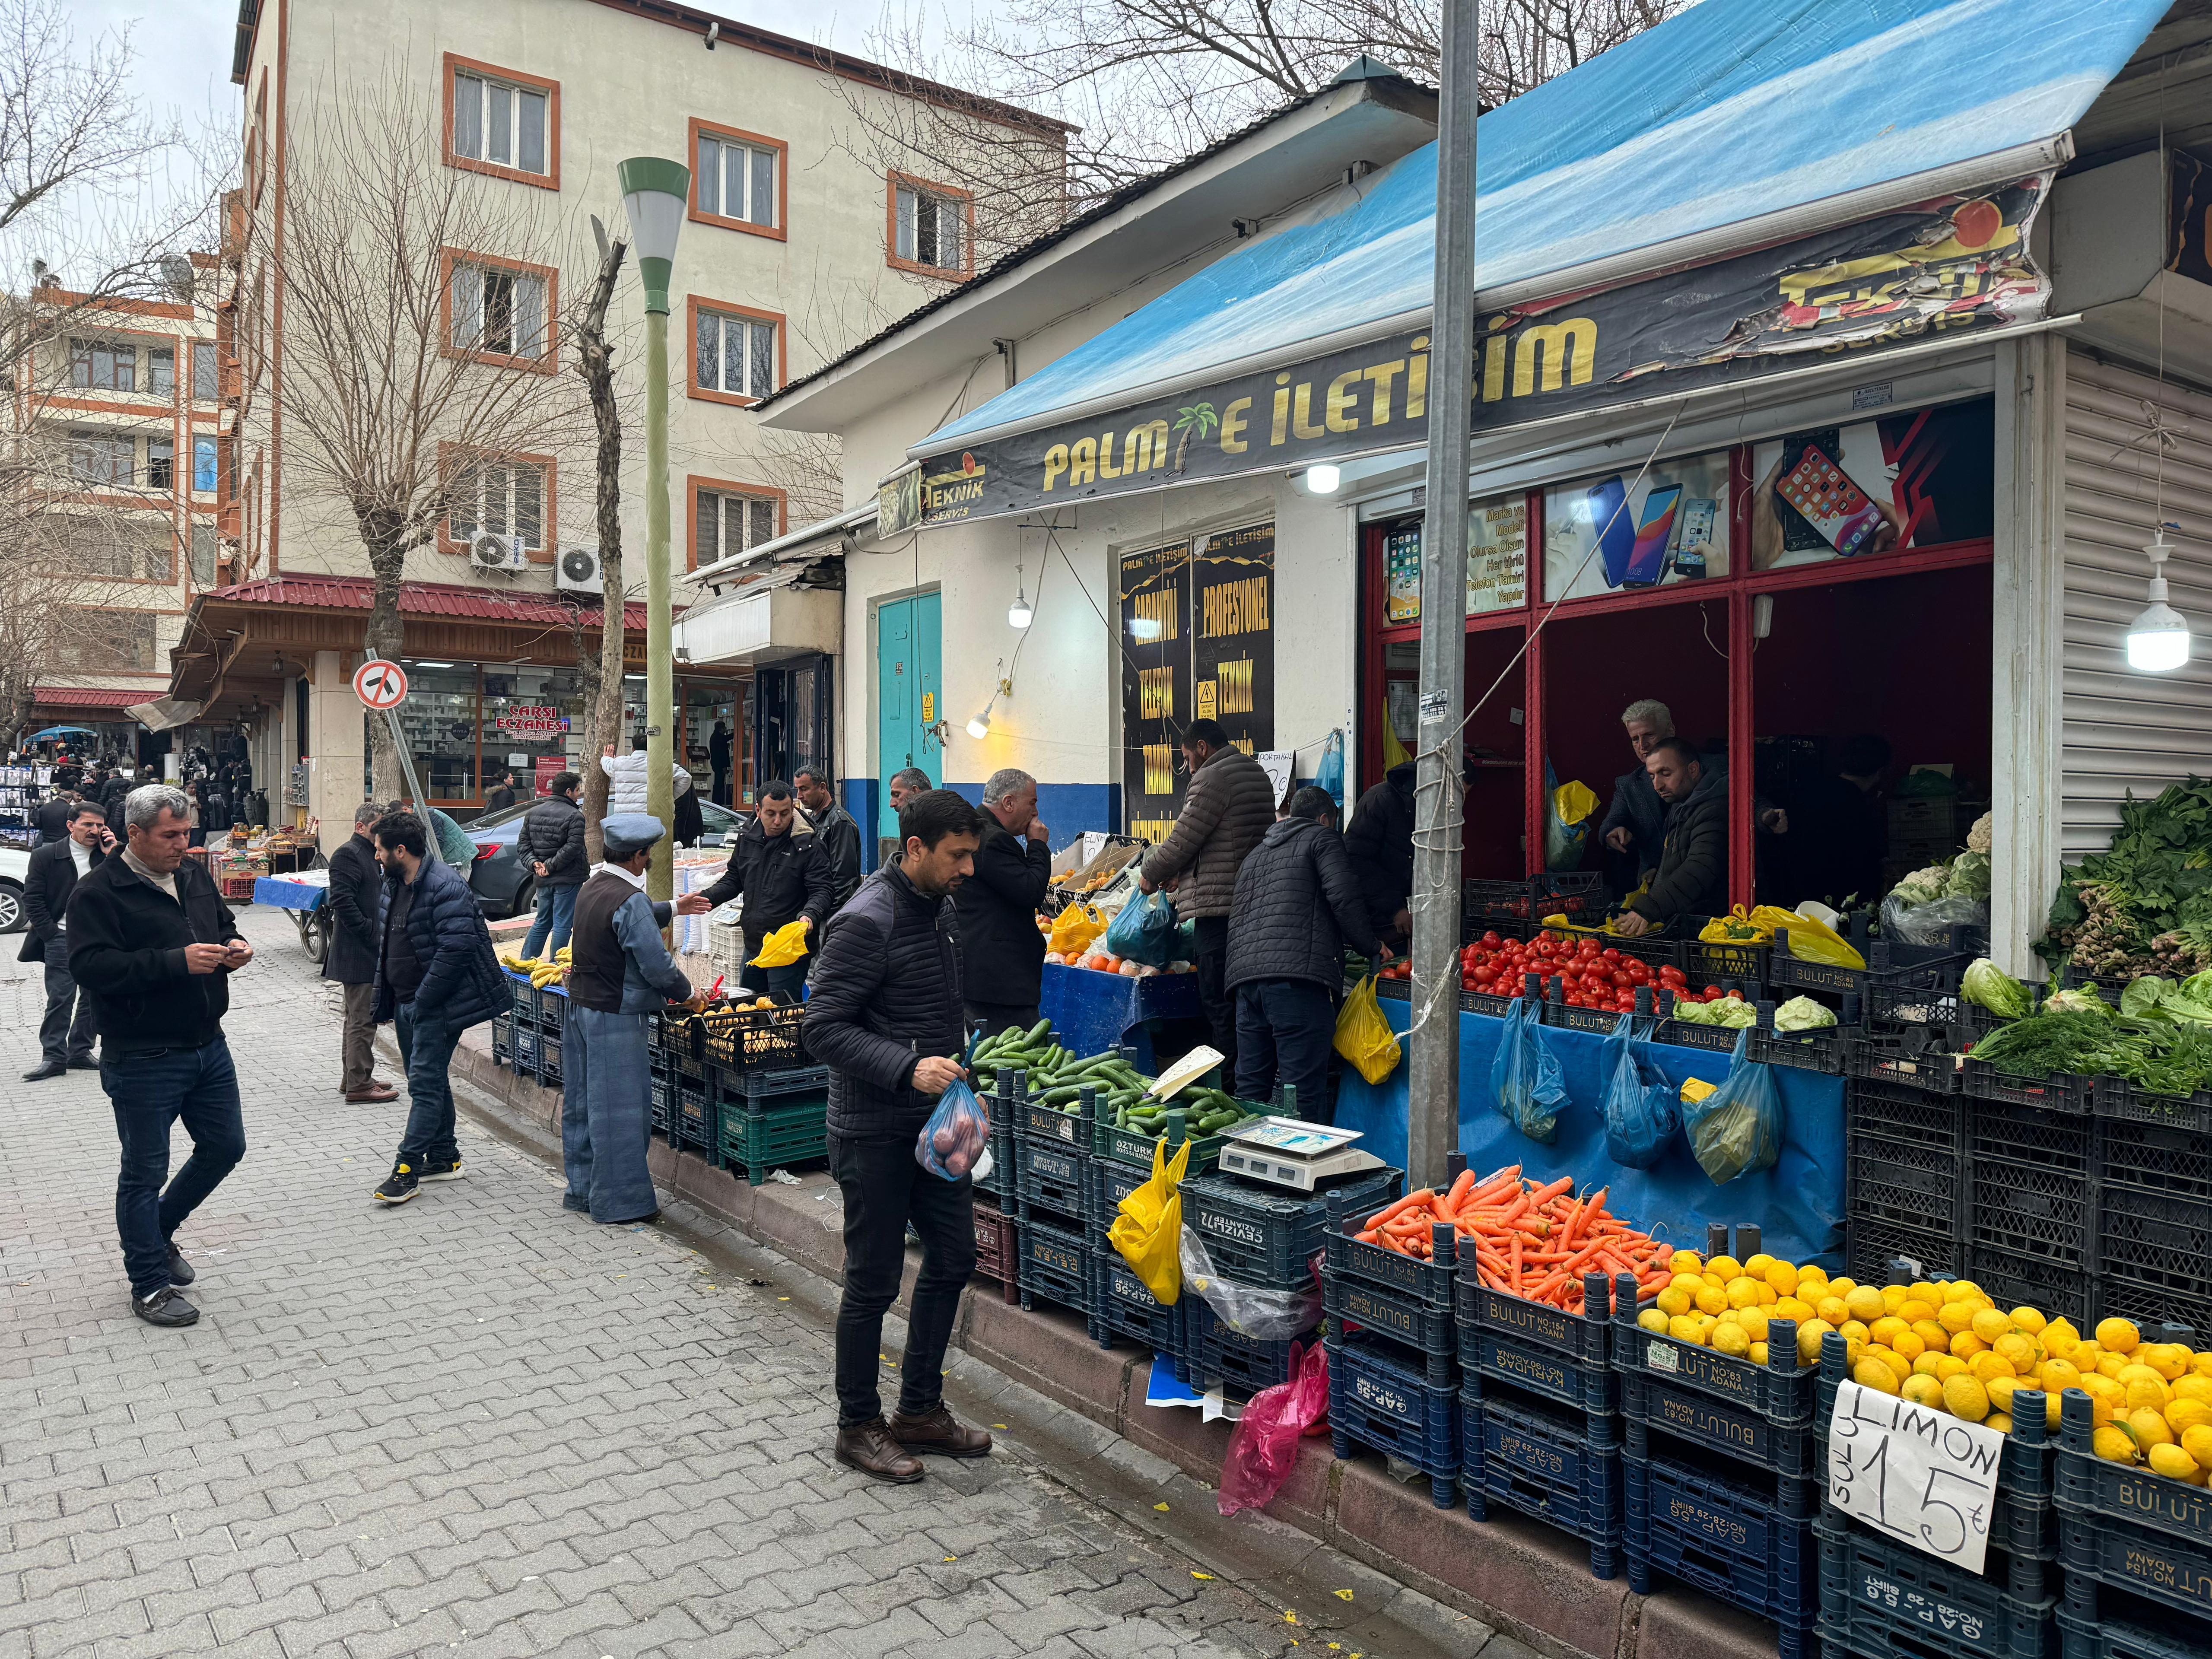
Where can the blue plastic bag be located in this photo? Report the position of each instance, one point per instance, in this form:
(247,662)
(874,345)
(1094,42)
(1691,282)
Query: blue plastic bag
(1329,773)
(1144,931)
(956,1135)
(1737,1128)
(1526,1084)
(1640,1117)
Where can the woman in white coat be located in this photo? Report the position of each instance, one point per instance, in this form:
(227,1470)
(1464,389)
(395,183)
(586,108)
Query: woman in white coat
(626,779)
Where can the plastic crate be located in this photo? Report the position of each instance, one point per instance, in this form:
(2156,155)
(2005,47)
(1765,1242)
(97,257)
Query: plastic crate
(1922,1184)
(756,1138)
(502,1040)
(1822,1049)
(1714,961)
(552,1008)
(1430,1282)
(525,1050)
(1482,1002)
(2106,1492)
(1216,1356)
(1267,1236)
(1109,1183)
(525,1000)
(1562,1015)
(1394,990)
(1918,1060)
(1426,1337)
(1884,1600)
(2117,1098)
(1787,970)
(997,1248)
(661,1092)
(1780,1392)
(696,1124)
(2098,1552)
(2035,1186)
(549,1057)
(767,1086)
(1121,1304)
(2066,1095)
(1129,1147)
(1728,1538)
(1050,1179)
(1563,1357)
(2147,1296)
(2155,1219)
(2112,1635)
(1541,1461)
(1055,1267)
(1379,1404)
(745,1038)
(1037,1121)
(1714,1039)
(1500,901)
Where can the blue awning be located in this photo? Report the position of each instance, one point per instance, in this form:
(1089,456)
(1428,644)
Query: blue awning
(1735,124)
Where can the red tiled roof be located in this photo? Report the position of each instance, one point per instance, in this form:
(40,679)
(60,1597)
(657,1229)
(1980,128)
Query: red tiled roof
(415,599)
(94,696)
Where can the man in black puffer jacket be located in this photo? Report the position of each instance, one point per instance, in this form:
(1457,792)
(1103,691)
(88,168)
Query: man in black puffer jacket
(884,1015)
(552,842)
(1379,842)
(1296,908)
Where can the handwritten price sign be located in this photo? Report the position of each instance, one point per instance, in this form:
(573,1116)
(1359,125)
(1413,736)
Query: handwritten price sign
(1923,1477)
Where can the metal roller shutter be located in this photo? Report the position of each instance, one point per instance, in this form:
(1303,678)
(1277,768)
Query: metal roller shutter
(2124,731)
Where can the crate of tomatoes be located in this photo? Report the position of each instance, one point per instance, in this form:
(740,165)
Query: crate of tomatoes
(1592,974)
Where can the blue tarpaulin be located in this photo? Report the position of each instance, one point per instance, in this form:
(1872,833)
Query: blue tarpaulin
(1732,113)
(1798,1203)
(1091,1011)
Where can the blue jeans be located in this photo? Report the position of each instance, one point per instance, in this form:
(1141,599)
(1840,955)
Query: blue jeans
(1285,1029)
(556,910)
(149,1092)
(426,1049)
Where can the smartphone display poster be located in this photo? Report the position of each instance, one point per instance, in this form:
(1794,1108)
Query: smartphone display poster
(1867,487)
(1401,576)
(1618,532)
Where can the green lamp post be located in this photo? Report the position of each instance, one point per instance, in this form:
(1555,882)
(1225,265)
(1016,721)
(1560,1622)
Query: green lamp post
(655,195)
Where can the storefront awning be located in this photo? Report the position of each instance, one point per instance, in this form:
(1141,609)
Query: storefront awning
(1875,138)
(89,696)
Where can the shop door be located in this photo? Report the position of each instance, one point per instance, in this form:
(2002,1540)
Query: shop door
(909,693)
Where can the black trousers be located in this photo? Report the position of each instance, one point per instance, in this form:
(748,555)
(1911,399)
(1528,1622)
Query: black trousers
(885,1190)
(1214,998)
(997,1016)
(63,1038)
(1286,1031)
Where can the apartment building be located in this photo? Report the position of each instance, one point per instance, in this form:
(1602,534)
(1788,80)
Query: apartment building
(804,235)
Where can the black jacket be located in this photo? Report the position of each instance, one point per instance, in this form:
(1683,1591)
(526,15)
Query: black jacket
(53,819)
(839,840)
(1692,879)
(552,834)
(357,908)
(127,938)
(1379,842)
(691,823)
(782,878)
(462,982)
(48,885)
(501,798)
(886,991)
(112,795)
(1297,907)
(1001,952)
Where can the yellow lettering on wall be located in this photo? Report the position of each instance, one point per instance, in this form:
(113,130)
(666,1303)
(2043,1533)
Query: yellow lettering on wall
(1155,830)
(1237,607)
(1341,400)
(1145,448)
(1234,681)
(1106,467)
(1568,350)
(1232,426)
(1495,350)
(1282,410)
(1160,611)
(1382,374)
(1159,773)
(1417,379)
(1083,462)
(1301,419)
(1056,463)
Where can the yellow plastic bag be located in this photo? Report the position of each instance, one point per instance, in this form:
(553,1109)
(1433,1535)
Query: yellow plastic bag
(1810,939)
(1573,802)
(1738,926)
(1074,929)
(785,946)
(1364,1037)
(1148,1229)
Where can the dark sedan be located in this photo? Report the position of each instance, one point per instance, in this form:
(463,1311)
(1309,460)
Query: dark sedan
(502,882)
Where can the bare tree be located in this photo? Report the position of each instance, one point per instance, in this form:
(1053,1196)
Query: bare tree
(417,375)
(602,682)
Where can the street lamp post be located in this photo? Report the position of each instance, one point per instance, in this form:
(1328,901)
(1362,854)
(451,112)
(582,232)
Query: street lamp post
(655,193)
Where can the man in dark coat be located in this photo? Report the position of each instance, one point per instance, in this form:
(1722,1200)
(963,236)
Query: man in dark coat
(57,867)
(111,795)
(502,797)
(718,761)
(783,879)
(1297,906)
(355,904)
(1694,862)
(1001,952)
(884,1016)
(53,816)
(436,976)
(1379,842)
(150,937)
(837,836)
(552,842)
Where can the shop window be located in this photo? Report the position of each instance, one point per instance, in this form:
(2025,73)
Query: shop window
(499,498)
(502,123)
(499,312)
(733,353)
(1497,561)
(707,704)
(726,520)
(1867,487)
(103,365)
(932,227)
(205,386)
(527,716)
(737,180)
(1620,532)
(438,721)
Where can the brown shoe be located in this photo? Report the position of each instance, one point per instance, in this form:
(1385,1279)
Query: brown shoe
(375,1091)
(871,1449)
(939,1432)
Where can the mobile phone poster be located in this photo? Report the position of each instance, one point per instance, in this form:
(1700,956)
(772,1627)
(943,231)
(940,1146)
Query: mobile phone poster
(1616,532)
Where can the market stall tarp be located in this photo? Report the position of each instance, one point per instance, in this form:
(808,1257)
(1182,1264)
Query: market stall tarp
(1798,1203)
(1091,1011)
(1778,117)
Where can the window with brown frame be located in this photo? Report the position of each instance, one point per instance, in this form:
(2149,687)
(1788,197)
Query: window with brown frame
(932,227)
(134,549)
(728,519)
(502,122)
(734,352)
(499,312)
(105,640)
(738,179)
(506,496)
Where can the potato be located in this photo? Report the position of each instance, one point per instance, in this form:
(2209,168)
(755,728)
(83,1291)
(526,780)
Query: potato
(946,1138)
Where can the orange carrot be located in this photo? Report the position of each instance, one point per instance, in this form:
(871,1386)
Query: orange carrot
(1411,1200)
(1458,1194)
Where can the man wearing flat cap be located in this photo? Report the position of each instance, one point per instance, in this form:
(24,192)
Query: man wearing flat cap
(620,973)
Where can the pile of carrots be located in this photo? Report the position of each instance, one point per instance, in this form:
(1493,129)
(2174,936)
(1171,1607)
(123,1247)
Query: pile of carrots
(1530,1241)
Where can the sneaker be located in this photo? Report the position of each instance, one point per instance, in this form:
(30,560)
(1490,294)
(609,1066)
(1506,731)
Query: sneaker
(165,1307)
(439,1170)
(397,1186)
(181,1270)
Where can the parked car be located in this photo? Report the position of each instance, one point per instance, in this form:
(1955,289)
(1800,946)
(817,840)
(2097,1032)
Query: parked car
(15,866)
(502,882)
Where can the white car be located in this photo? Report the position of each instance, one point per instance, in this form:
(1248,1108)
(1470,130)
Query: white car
(15,867)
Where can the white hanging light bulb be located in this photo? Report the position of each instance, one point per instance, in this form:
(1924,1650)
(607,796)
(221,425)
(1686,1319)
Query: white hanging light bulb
(1019,614)
(980,726)
(1322,478)
(2158,638)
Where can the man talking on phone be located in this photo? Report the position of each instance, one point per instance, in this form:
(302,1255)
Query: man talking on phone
(150,937)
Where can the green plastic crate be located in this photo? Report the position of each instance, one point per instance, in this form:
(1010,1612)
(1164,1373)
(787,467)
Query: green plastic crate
(791,1130)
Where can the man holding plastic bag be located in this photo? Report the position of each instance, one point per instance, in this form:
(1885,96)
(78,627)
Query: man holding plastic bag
(884,1016)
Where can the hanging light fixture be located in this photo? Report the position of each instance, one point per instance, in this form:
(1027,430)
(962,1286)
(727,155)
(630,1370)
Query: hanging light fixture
(980,727)
(1322,478)
(2158,638)
(1019,614)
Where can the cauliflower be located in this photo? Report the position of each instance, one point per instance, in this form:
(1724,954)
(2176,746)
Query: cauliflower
(1922,886)
(1982,838)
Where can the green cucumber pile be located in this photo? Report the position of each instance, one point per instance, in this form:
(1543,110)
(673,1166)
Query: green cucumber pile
(1058,1078)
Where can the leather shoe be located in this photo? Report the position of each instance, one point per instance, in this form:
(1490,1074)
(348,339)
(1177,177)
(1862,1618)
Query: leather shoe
(51,1068)
(86,1064)
(181,1270)
(165,1307)
(939,1432)
(375,1091)
(870,1448)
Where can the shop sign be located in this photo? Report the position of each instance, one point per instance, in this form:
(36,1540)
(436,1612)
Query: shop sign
(533,720)
(1956,264)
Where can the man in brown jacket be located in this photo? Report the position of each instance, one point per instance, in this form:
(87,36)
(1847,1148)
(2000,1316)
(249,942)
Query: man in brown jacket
(1228,806)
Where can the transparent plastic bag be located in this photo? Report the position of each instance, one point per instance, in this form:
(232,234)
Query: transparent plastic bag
(1737,1128)
(1264,1448)
(1526,1084)
(1931,923)
(958,1133)
(1143,931)
(1262,1314)
(1640,1117)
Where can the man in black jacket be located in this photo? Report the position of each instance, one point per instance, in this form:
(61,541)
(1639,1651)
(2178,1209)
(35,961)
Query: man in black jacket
(57,867)
(151,939)
(552,842)
(884,1016)
(1692,876)
(1001,952)
(783,878)
(836,833)
(355,903)
(1297,907)
(53,816)
(1379,842)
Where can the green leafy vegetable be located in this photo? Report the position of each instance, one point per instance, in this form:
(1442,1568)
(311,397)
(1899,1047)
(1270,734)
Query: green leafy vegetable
(1970,877)
(1989,987)
(1727,1011)
(1803,1014)
(2081,1000)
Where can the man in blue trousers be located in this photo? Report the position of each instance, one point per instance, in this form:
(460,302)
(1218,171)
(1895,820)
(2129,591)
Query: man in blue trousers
(620,975)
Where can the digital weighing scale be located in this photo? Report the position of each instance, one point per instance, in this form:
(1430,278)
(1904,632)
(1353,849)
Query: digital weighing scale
(1286,1152)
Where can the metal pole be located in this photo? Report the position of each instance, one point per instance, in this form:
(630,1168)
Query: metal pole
(659,669)
(407,763)
(1432,1112)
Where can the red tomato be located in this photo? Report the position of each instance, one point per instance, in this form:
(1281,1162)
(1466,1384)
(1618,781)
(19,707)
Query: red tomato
(1711,991)
(1612,953)
(1485,975)
(1621,981)
(1493,940)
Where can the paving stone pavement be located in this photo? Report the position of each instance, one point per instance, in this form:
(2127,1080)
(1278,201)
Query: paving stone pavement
(476,1424)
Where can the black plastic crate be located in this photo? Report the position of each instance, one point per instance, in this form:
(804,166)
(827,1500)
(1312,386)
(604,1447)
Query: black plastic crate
(1134,1148)
(1725,1428)
(661,1093)
(1714,1039)
(1109,1183)
(1483,1002)
(1121,1304)
(1377,1403)
(1884,1600)
(525,1050)
(1539,1461)
(1215,1355)
(1916,1059)
(525,1000)
(2034,1185)
(1580,895)
(1821,1050)
(1565,1016)
(2170,1160)
(1034,1120)
(1870,1246)
(1780,1392)
(1427,1335)
(2122,1630)
(1267,1236)
(552,1008)
(1726,1537)
(1394,990)
(2117,1098)
(2105,1492)
(745,1038)
(765,1085)
(2147,1296)
(1055,1267)
(1786,970)
(1906,1184)
(1563,1357)
(502,1040)
(548,1059)
(1050,1178)
(696,1123)
(2012,1280)
(2097,1551)
(2066,1095)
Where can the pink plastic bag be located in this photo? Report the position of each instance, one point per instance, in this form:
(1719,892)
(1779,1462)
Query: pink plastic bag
(1265,1447)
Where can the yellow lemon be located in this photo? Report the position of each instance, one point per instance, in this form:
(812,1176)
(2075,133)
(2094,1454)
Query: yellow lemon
(1691,1281)
(2190,1386)
(2197,1442)
(1949,1366)
(2059,1337)
(1932,1335)
(1987,1366)
(2142,1385)
(1842,1285)
(1754,1323)
(2020,1350)
(1796,1307)
(2201,1364)
(2000,1391)
(1871,1373)
(1743,1292)
(1954,1316)
(1893,1297)
(2052,1406)
(2168,1359)
(1784,1279)
(1673,1301)
(2111,1364)
(2113,1444)
(1966,1345)
(1964,1397)
(1684,1327)
(1999,1421)
(2148,1428)
(1926,1364)
(1886,1327)
(1900,1367)
(1922,1390)
(1991,1323)
(1865,1302)
(2183,1415)
(1685,1261)
(2105,1396)
(2175,1464)
(1909,1346)
(1758,1355)
(1767,1298)
(1756,1265)
(1854,1327)
(2059,1374)
(1917,1309)
(2086,1355)
(2118,1335)
(1808,1341)
(1723,1268)
(1711,1300)
(1653,1319)
(2029,1320)
(1731,1339)
(1833,1308)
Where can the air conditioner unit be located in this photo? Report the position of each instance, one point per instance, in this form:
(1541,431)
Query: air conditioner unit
(578,571)
(490,552)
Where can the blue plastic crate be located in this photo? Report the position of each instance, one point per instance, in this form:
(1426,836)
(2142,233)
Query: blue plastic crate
(1378,1403)
(2118,1632)
(1033,1121)
(1055,1267)
(1781,1392)
(549,1056)
(1121,1304)
(1651,1404)
(1267,1236)
(696,1124)
(2089,1485)
(1488,1354)
(525,1050)
(1726,1538)
(502,1040)
(662,1093)
(1050,1179)
(1216,1354)
(1561,1356)
(1427,1282)
(1427,1337)
(2096,1551)
(1883,1600)
(1541,1461)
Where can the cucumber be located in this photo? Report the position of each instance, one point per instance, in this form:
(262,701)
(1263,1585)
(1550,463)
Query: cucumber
(1036,1033)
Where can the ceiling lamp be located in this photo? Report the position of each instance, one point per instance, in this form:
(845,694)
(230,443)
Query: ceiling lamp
(1322,478)
(1019,614)
(2158,640)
